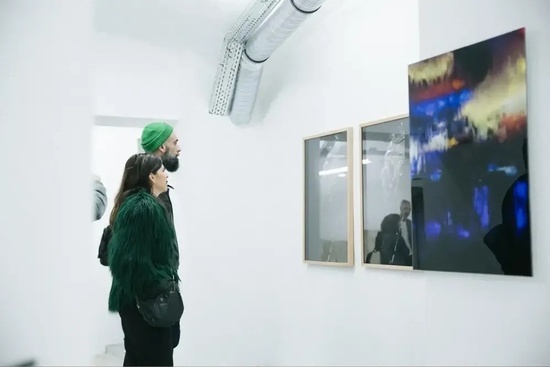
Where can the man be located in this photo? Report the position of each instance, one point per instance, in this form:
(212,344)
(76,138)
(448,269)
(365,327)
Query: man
(100,197)
(158,138)
(405,227)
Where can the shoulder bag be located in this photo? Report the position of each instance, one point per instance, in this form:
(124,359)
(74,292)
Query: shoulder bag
(165,308)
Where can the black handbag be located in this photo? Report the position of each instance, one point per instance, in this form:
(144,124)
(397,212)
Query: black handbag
(164,309)
(102,253)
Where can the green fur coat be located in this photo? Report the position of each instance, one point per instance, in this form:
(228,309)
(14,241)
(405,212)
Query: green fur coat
(142,252)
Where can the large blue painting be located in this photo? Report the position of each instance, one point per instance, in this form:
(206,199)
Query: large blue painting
(468,159)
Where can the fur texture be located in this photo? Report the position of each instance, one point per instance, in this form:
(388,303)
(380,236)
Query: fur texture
(141,253)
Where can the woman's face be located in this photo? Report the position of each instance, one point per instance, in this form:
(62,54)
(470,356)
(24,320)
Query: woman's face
(159,181)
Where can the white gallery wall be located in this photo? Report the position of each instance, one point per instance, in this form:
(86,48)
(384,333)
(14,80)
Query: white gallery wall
(495,320)
(249,296)
(135,79)
(45,225)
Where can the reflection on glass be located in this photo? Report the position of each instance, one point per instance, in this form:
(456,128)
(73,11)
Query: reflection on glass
(328,221)
(468,111)
(386,184)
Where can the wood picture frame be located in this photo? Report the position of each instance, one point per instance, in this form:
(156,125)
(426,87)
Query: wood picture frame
(386,157)
(328,235)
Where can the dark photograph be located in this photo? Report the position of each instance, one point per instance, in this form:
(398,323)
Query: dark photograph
(468,159)
(328,191)
(386,194)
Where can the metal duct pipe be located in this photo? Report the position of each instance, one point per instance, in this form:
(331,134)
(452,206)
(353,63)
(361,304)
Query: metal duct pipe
(248,82)
(286,18)
(232,50)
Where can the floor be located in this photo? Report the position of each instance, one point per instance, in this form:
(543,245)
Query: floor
(113,356)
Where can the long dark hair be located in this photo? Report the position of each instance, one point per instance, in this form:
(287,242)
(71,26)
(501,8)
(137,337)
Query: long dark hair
(136,176)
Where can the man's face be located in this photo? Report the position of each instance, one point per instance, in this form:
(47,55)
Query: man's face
(171,153)
(405,210)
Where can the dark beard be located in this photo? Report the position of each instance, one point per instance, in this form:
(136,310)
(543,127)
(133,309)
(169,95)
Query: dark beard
(170,162)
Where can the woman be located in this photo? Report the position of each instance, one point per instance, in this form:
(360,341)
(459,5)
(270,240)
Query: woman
(141,256)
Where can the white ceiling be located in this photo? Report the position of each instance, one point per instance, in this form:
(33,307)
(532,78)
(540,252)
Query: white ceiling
(197,26)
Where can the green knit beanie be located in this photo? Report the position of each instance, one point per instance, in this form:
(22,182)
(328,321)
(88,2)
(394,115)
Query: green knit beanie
(154,135)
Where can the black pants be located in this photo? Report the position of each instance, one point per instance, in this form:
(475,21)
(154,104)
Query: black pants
(146,345)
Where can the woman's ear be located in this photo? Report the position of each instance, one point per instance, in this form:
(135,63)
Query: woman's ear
(152,177)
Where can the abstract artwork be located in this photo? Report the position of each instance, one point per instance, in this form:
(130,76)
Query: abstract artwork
(468,159)
(387,237)
(328,194)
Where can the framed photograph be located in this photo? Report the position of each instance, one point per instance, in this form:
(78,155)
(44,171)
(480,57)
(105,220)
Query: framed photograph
(387,233)
(468,157)
(328,198)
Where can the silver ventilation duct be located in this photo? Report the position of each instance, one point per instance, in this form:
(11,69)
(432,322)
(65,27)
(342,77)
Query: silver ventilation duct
(247,85)
(232,50)
(286,18)
(239,74)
